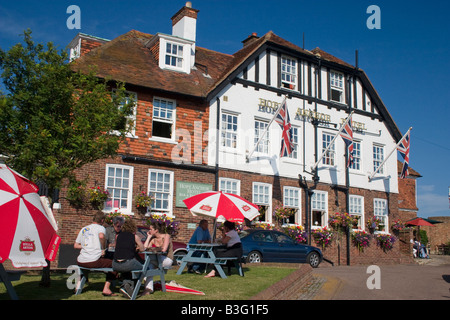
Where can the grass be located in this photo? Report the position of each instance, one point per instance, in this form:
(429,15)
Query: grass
(235,287)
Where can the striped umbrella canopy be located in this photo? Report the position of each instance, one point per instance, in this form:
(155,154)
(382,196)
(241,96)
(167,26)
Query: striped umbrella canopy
(28,234)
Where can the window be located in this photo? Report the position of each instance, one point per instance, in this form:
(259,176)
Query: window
(294,154)
(263,146)
(174,55)
(229,130)
(356,210)
(336,86)
(378,158)
(319,207)
(380,212)
(230,185)
(291,199)
(328,158)
(163,122)
(356,165)
(160,186)
(288,73)
(262,196)
(130,99)
(119,183)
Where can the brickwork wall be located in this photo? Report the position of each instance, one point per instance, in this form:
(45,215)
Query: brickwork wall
(439,234)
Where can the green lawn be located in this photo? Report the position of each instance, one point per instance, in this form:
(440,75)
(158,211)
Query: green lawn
(256,279)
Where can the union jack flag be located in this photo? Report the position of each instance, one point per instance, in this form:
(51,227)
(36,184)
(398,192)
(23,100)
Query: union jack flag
(403,148)
(282,118)
(347,135)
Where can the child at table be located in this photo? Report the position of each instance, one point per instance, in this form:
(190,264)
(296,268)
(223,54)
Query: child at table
(159,239)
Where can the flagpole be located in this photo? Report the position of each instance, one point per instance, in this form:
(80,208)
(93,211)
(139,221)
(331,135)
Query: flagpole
(265,130)
(332,141)
(395,148)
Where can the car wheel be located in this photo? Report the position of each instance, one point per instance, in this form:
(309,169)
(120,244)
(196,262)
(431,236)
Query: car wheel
(254,257)
(313,259)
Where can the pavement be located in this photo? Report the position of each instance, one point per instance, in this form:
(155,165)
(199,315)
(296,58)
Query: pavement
(426,279)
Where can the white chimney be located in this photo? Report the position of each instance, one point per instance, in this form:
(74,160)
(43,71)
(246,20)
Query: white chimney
(184,22)
(184,25)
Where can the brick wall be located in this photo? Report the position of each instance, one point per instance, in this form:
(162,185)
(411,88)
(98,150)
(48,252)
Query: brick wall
(439,234)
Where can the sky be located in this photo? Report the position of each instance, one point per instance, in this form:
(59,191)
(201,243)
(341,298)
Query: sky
(407,58)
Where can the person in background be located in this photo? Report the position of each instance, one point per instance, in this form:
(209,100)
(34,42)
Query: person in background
(233,244)
(200,235)
(111,235)
(92,242)
(125,256)
(158,239)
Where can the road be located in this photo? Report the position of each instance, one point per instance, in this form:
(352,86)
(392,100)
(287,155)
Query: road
(429,280)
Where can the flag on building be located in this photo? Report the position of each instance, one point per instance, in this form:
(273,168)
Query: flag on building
(347,135)
(282,118)
(403,148)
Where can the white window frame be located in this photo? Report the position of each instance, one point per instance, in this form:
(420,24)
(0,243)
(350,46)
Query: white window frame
(378,158)
(292,199)
(154,191)
(329,158)
(229,185)
(380,211)
(357,156)
(164,119)
(129,189)
(289,69)
(259,126)
(337,84)
(266,201)
(174,55)
(295,140)
(228,134)
(320,205)
(356,208)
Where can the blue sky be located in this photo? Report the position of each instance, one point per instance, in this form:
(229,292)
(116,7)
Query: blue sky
(407,60)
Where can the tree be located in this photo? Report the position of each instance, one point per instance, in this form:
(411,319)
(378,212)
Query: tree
(54,120)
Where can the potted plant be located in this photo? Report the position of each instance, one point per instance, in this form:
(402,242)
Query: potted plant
(143,202)
(385,241)
(322,236)
(109,217)
(373,224)
(76,194)
(361,239)
(282,214)
(97,197)
(297,233)
(170,225)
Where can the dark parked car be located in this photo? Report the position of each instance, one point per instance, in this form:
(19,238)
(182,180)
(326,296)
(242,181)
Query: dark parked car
(179,248)
(275,246)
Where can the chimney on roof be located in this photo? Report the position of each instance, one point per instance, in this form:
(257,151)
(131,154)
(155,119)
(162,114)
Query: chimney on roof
(184,22)
(251,38)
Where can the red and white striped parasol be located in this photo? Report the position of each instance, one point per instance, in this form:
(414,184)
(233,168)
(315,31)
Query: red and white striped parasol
(28,236)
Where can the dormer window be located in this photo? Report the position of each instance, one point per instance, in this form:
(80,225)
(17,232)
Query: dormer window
(174,55)
(288,73)
(336,87)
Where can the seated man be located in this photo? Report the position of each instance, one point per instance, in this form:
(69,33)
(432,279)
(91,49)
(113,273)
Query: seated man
(91,241)
(201,235)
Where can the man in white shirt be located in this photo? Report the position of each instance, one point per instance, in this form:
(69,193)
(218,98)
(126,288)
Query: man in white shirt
(91,240)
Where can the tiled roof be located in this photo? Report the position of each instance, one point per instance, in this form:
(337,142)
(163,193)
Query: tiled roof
(128,59)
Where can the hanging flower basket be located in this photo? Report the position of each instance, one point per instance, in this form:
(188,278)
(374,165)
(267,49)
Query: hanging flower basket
(398,226)
(385,241)
(97,197)
(361,239)
(322,237)
(77,194)
(341,221)
(281,213)
(373,224)
(297,233)
(143,202)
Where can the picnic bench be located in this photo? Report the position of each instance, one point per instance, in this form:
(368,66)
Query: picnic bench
(136,274)
(211,258)
(6,276)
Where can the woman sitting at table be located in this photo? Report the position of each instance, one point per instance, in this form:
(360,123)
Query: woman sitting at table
(158,239)
(125,255)
(233,243)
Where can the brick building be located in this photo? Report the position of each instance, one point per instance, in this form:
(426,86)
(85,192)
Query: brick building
(198,114)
